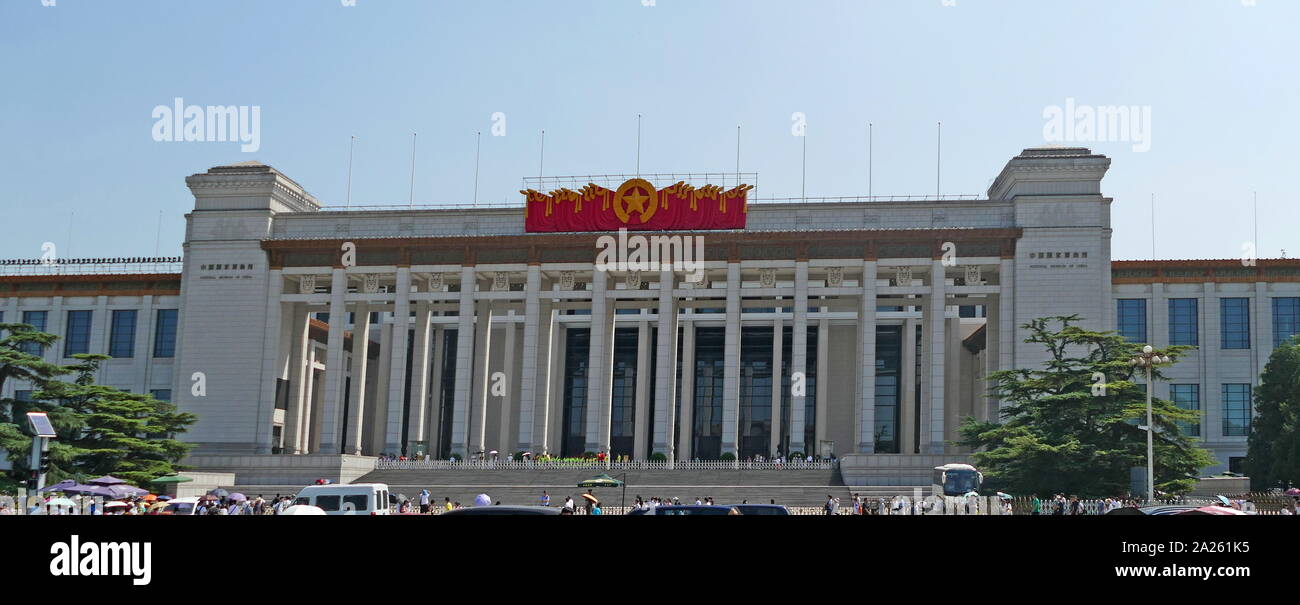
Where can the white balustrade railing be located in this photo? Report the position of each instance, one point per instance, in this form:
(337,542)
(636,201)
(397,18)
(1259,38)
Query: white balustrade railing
(594,465)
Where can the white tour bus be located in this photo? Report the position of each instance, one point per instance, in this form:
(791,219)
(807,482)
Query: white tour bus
(346,499)
(956,480)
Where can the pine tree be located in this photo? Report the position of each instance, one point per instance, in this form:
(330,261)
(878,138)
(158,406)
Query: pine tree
(20,360)
(1273,457)
(1073,426)
(127,435)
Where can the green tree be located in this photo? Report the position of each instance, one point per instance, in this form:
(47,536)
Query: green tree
(128,435)
(101,430)
(1273,457)
(20,345)
(1073,426)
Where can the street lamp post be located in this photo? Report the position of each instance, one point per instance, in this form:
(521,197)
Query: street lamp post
(1148,359)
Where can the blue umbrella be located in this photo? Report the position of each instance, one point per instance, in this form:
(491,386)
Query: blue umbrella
(121,491)
(107,480)
(60,486)
(92,490)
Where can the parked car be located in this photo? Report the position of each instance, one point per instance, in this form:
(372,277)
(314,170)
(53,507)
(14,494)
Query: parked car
(761,509)
(504,510)
(689,509)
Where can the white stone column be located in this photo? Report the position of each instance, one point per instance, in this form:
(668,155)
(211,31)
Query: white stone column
(778,389)
(824,382)
(936,337)
(332,398)
(599,364)
(540,435)
(641,408)
(1158,329)
(272,365)
(464,363)
(482,359)
(377,379)
(433,425)
(360,361)
(310,410)
(731,365)
(528,387)
(395,442)
(144,327)
(299,375)
(1209,353)
(665,419)
(799,359)
(907,411)
(866,414)
(507,410)
(417,412)
(55,320)
(1007,321)
(687,433)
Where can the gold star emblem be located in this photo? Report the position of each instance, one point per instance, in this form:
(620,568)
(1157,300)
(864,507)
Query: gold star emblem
(636,195)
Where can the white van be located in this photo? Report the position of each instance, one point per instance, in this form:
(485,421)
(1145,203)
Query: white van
(181,506)
(346,499)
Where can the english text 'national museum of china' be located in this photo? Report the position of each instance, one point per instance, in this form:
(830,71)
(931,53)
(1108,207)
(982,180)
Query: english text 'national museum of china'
(820,326)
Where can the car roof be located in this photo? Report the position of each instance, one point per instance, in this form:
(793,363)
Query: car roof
(488,510)
(695,506)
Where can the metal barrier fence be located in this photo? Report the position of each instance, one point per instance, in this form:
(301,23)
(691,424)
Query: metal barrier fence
(593,465)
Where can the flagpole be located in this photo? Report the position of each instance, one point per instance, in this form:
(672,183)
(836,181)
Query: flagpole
(938,166)
(411,198)
(351,143)
(478,137)
(737,155)
(870,142)
(638,145)
(541,160)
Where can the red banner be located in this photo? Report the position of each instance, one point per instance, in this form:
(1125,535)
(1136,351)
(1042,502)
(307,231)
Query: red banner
(636,206)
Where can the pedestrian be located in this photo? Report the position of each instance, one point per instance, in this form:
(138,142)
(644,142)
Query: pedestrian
(446,503)
(830,505)
(424,501)
(568,505)
(546,498)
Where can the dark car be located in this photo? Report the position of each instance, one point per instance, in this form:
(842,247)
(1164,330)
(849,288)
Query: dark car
(761,509)
(504,510)
(689,510)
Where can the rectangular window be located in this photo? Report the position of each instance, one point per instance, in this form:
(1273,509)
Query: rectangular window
(121,340)
(164,334)
(161,394)
(1234,315)
(35,319)
(1183,321)
(327,503)
(1286,319)
(78,333)
(1236,410)
(1133,319)
(1188,397)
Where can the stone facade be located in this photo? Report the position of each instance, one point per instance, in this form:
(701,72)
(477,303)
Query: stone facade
(825,327)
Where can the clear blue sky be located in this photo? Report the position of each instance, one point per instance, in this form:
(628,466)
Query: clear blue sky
(81,78)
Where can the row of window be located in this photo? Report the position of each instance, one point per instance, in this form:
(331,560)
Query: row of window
(1184,321)
(1236,408)
(121,334)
